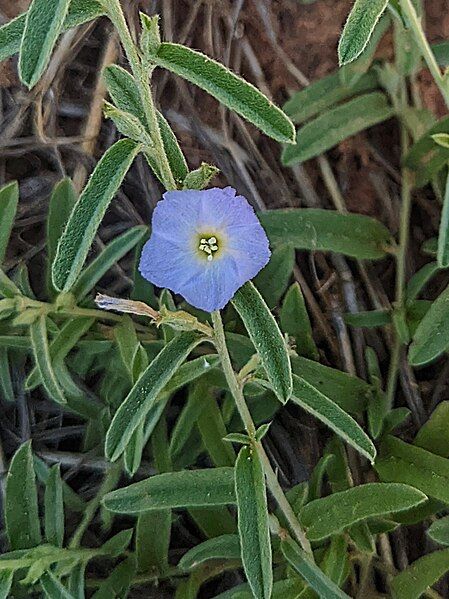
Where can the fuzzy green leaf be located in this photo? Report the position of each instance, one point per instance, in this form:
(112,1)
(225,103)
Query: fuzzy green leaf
(145,392)
(112,253)
(80,11)
(323,408)
(431,338)
(54,508)
(222,547)
(53,588)
(253,524)
(315,229)
(187,488)
(9,197)
(334,126)
(44,22)
(88,212)
(411,465)
(41,352)
(21,511)
(302,564)
(229,89)
(294,321)
(332,514)
(420,575)
(267,339)
(358,28)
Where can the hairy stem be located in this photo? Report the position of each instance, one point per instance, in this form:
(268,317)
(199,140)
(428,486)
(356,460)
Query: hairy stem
(115,13)
(237,393)
(416,27)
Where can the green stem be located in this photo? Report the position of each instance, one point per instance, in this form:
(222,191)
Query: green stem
(416,27)
(109,483)
(237,393)
(115,13)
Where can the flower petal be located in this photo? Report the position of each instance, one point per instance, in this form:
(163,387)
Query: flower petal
(213,288)
(168,265)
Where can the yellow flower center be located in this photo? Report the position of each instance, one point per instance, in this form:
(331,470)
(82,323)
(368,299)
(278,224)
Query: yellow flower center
(209,245)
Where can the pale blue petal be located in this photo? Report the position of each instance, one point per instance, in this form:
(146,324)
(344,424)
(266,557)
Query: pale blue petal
(166,265)
(214,287)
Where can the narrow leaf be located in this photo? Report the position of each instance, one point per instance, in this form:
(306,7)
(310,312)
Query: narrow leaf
(44,22)
(359,28)
(317,580)
(85,219)
(405,463)
(323,408)
(426,158)
(272,281)
(315,229)
(443,237)
(54,508)
(80,11)
(41,352)
(267,339)
(9,197)
(439,531)
(62,201)
(145,392)
(325,93)
(334,126)
(187,488)
(253,525)
(222,547)
(431,338)
(332,514)
(419,576)
(112,253)
(53,588)
(21,512)
(118,582)
(228,88)
(6,578)
(294,321)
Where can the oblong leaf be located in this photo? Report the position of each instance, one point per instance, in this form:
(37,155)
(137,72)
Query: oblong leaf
(80,11)
(411,465)
(316,579)
(53,588)
(254,533)
(21,512)
(349,392)
(222,547)
(54,508)
(112,253)
(228,88)
(62,201)
(9,197)
(419,576)
(332,514)
(187,488)
(327,230)
(88,212)
(323,408)
(324,93)
(443,236)
(41,352)
(358,28)
(295,321)
(145,392)
(439,531)
(426,158)
(336,125)
(431,338)
(43,24)
(6,578)
(267,339)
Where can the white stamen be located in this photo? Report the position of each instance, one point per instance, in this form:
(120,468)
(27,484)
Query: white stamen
(209,246)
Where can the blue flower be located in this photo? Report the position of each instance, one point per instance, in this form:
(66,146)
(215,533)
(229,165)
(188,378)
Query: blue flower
(204,246)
